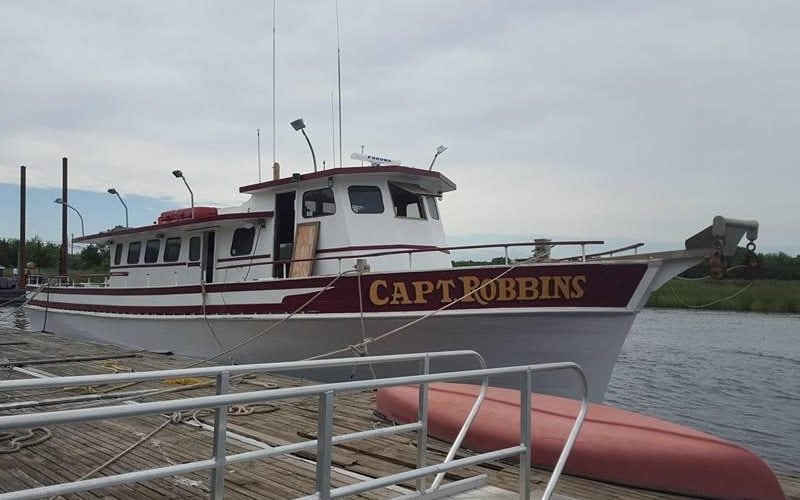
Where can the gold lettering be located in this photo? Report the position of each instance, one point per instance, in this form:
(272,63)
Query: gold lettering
(421,289)
(488,291)
(400,294)
(445,286)
(577,286)
(470,283)
(546,280)
(373,293)
(562,286)
(528,288)
(507,289)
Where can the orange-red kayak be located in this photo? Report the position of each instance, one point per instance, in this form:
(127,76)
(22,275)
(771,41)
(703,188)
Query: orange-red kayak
(614,445)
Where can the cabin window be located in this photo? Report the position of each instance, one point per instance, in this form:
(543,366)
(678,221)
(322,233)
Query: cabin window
(117,254)
(172,249)
(318,203)
(433,210)
(151,251)
(194,248)
(406,203)
(242,243)
(366,199)
(134,249)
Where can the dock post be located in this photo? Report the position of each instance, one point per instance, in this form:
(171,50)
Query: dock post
(22,268)
(525,435)
(62,260)
(220,437)
(324,445)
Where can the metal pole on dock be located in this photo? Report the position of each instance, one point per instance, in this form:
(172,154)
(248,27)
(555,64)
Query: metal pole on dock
(21,268)
(62,261)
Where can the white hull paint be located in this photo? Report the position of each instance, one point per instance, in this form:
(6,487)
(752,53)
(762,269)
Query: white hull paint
(591,338)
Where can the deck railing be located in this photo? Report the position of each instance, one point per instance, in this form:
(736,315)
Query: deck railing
(326,394)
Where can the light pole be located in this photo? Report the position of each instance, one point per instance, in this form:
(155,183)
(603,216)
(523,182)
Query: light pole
(179,175)
(114,191)
(62,202)
(299,125)
(439,150)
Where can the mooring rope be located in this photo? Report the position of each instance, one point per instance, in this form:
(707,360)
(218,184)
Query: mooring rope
(701,306)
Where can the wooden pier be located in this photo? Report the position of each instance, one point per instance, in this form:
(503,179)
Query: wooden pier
(92,449)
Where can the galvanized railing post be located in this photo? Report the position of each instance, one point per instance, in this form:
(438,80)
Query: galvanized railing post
(422,415)
(324,444)
(583,252)
(525,435)
(410,264)
(505,248)
(220,437)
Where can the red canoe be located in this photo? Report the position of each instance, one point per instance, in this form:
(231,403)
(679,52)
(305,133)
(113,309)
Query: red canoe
(614,445)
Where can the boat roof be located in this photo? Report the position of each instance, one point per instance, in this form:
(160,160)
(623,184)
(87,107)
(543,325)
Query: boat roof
(433,181)
(184,224)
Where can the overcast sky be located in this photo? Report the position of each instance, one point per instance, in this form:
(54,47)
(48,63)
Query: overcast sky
(619,120)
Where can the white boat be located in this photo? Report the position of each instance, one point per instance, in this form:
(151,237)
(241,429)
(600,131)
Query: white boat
(349,260)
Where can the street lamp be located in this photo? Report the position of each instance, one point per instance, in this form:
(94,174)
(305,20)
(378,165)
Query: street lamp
(179,175)
(439,150)
(62,202)
(114,191)
(299,125)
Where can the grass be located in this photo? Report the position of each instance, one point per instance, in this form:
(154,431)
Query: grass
(777,296)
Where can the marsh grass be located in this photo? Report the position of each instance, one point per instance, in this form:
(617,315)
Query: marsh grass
(780,296)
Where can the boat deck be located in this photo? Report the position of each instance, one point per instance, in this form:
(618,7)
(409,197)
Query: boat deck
(82,450)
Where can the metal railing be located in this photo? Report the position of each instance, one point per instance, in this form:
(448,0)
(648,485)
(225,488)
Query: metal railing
(326,394)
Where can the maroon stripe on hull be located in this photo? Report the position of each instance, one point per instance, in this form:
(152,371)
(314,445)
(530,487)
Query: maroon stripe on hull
(573,286)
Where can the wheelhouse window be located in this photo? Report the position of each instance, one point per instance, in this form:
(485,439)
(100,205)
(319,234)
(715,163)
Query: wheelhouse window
(318,202)
(433,210)
(407,203)
(117,254)
(134,250)
(242,243)
(172,249)
(365,199)
(194,248)
(151,251)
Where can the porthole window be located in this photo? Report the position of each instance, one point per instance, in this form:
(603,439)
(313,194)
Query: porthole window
(318,202)
(242,243)
(365,199)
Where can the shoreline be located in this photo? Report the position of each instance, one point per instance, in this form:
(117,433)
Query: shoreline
(766,296)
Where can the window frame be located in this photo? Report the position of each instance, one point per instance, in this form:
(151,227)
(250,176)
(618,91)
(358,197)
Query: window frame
(322,214)
(365,189)
(118,253)
(420,204)
(138,246)
(252,237)
(150,253)
(198,247)
(432,207)
(177,253)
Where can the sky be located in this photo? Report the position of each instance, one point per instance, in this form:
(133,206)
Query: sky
(621,120)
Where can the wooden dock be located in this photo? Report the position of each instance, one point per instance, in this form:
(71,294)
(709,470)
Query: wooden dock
(76,451)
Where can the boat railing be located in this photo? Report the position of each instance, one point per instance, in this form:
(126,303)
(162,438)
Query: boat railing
(413,251)
(326,394)
(607,253)
(89,280)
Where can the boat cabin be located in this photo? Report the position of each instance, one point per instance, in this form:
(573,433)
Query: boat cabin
(303,225)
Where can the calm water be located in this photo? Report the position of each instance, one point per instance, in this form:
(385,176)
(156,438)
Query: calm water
(734,375)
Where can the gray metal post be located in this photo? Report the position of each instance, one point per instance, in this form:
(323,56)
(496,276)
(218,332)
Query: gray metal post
(324,445)
(525,435)
(220,437)
(422,416)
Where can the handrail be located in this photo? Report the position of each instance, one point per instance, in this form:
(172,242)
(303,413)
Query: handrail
(325,438)
(408,251)
(610,253)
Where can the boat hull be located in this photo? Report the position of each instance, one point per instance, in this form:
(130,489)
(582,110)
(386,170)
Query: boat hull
(613,445)
(592,339)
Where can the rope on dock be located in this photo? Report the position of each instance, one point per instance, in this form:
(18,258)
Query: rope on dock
(27,439)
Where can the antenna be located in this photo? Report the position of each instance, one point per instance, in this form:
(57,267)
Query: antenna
(333,129)
(339,71)
(258,140)
(274,123)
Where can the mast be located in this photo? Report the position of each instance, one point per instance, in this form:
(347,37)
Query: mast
(339,74)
